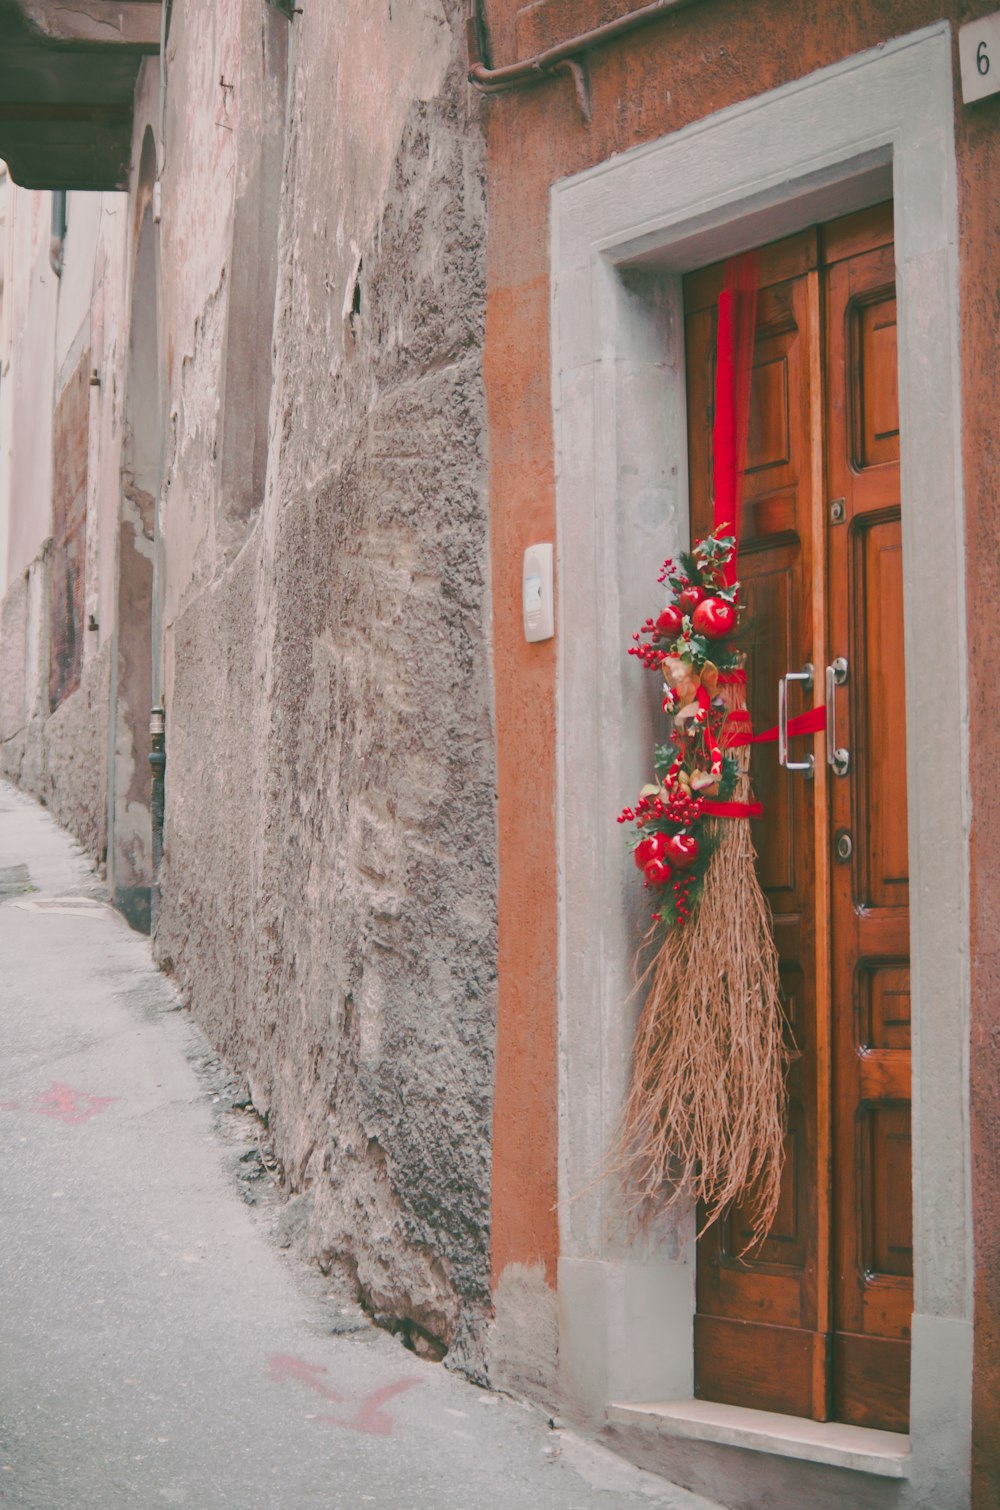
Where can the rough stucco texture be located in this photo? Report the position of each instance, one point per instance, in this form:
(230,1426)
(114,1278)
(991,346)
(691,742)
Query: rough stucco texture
(62,758)
(980,224)
(328,885)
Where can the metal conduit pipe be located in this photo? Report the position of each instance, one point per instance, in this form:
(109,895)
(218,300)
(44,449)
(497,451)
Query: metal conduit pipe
(57,239)
(559,59)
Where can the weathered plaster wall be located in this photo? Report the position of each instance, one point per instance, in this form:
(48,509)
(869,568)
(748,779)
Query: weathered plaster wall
(327,890)
(61,329)
(644,87)
(32,298)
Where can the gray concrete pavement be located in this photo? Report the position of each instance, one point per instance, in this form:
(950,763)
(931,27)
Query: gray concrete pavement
(156,1346)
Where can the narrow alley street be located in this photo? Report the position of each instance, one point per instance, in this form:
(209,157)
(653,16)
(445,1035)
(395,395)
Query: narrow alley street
(157,1347)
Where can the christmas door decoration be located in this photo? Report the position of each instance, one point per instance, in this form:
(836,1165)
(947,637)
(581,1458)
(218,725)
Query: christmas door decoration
(705,1113)
(696,773)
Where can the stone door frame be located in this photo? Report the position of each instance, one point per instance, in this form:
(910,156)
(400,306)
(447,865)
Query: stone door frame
(622,234)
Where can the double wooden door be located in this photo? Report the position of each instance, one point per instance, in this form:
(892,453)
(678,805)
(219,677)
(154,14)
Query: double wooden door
(815,1320)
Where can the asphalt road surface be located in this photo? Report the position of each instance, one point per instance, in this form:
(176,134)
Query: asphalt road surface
(157,1346)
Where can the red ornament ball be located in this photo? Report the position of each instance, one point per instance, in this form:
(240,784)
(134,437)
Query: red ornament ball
(681,850)
(714,618)
(691,597)
(652,848)
(670,620)
(657,872)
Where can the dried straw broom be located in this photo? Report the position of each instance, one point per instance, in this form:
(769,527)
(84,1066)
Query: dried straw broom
(705,1115)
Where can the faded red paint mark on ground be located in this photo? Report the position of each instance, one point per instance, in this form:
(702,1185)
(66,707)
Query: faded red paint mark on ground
(67,1105)
(369,1417)
(62,1103)
(282,1366)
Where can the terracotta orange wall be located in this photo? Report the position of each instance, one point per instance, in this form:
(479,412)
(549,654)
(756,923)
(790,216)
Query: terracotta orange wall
(524,1142)
(660,78)
(979,231)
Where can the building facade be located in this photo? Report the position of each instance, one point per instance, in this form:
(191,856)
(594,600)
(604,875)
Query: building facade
(355,306)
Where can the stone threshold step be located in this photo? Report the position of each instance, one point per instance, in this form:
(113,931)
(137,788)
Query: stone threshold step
(884,1453)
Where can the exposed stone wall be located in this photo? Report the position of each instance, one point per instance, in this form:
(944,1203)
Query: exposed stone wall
(62,758)
(327,891)
(76,761)
(317,584)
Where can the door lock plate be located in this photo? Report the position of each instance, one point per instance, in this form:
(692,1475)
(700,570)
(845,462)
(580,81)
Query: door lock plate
(843,846)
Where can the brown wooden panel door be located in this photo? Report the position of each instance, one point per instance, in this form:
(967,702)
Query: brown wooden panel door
(762,1320)
(873,1238)
(815,1321)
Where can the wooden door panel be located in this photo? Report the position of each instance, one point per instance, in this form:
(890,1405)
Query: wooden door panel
(815,1320)
(786,1244)
(887,1226)
(777,1367)
(885,1005)
(878,713)
(876,395)
(873,1259)
(777,1359)
(864,231)
(871,1381)
(769,441)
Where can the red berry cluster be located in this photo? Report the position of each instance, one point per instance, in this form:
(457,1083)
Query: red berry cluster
(682,891)
(649,654)
(682,808)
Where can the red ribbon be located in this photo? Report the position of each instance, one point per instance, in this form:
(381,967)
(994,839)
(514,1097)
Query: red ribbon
(736,731)
(734,364)
(713,809)
(810,722)
(733,368)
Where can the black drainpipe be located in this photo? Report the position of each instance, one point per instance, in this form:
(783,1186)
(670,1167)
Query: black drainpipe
(567,57)
(158,765)
(57,238)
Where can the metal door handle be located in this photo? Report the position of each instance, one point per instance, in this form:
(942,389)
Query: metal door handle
(806,676)
(836,676)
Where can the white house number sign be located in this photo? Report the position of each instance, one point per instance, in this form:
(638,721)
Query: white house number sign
(979,55)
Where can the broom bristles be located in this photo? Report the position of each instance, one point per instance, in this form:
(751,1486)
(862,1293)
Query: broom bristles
(705,1115)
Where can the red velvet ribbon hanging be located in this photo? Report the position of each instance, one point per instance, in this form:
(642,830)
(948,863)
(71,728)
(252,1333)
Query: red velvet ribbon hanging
(737,729)
(733,368)
(713,809)
(734,365)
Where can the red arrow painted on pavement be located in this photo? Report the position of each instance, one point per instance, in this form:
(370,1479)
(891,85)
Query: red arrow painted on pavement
(369,1418)
(282,1366)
